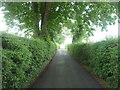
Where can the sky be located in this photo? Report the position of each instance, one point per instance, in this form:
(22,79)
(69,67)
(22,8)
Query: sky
(98,35)
(4,27)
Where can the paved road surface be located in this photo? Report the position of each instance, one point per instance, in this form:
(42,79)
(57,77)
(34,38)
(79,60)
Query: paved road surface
(64,72)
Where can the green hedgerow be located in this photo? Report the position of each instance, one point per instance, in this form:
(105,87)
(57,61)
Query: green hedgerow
(23,59)
(101,57)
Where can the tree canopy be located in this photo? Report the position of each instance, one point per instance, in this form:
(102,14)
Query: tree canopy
(46,19)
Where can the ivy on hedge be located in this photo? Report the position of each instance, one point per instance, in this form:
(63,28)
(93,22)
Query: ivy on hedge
(23,59)
(101,57)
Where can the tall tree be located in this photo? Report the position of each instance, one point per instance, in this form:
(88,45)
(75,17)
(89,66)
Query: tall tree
(87,15)
(30,14)
(54,15)
(36,19)
(45,11)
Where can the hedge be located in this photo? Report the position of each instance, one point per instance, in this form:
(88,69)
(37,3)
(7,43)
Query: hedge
(100,57)
(23,59)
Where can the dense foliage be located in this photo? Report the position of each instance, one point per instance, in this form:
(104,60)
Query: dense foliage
(100,57)
(45,19)
(23,59)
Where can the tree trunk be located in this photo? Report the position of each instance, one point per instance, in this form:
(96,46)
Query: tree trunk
(36,32)
(45,11)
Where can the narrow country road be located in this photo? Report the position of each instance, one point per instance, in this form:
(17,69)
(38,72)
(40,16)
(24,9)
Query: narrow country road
(64,72)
